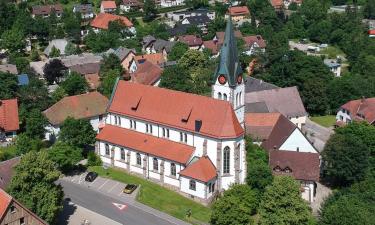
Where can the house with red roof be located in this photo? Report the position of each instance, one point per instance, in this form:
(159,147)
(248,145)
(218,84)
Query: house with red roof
(238,13)
(13,212)
(91,106)
(108,7)
(9,121)
(371,33)
(102,20)
(193,41)
(46,10)
(146,73)
(357,110)
(254,44)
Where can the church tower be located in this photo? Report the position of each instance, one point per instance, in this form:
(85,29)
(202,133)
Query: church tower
(228,84)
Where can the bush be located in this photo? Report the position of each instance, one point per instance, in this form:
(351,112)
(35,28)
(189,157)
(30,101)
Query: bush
(93,159)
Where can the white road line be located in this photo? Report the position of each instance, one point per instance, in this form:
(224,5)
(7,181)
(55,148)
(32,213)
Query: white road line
(113,187)
(103,184)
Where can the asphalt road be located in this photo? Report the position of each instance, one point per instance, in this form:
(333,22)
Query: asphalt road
(103,204)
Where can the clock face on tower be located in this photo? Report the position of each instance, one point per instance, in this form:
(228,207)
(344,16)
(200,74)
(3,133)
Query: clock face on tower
(222,79)
(239,79)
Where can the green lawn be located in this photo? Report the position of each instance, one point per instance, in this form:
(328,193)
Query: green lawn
(325,121)
(7,152)
(332,52)
(158,197)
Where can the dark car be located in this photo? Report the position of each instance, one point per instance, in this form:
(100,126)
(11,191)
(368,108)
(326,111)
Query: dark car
(91,176)
(130,188)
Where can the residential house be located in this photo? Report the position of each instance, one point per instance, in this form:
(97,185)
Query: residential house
(13,212)
(91,73)
(219,36)
(147,73)
(199,21)
(277,4)
(170,3)
(153,45)
(371,33)
(260,125)
(131,5)
(213,47)
(254,44)
(47,10)
(108,7)
(287,101)
(179,16)
(7,171)
(302,166)
(101,22)
(9,68)
(238,13)
(86,11)
(91,106)
(357,110)
(165,136)
(192,41)
(59,44)
(156,59)
(9,121)
(177,30)
(334,66)
(288,2)
(125,55)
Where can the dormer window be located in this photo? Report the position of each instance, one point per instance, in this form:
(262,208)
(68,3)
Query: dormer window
(277,169)
(287,170)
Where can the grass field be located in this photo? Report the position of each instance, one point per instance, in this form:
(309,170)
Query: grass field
(7,152)
(158,197)
(325,121)
(332,52)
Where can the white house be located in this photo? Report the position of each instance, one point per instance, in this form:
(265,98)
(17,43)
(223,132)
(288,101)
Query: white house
(91,106)
(333,66)
(85,10)
(357,110)
(9,121)
(108,7)
(170,3)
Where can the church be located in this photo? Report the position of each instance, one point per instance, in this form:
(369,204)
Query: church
(190,143)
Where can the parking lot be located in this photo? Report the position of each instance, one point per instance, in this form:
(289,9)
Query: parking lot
(105,186)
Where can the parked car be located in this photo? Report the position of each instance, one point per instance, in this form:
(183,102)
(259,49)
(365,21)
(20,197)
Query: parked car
(130,188)
(91,176)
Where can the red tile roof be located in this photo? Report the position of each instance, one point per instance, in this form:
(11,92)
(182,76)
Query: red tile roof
(109,4)
(147,73)
(250,40)
(145,143)
(260,125)
(176,109)
(361,108)
(102,20)
(78,106)
(203,170)
(6,171)
(277,4)
(238,11)
(9,115)
(155,58)
(191,40)
(303,165)
(5,201)
(220,36)
(371,32)
(46,9)
(212,45)
(93,80)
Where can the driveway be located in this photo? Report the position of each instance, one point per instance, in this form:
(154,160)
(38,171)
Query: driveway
(317,134)
(105,197)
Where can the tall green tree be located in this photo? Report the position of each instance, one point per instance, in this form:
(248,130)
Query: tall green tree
(282,204)
(176,78)
(8,85)
(149,9)
(35,124)
(13,40)
(65,155)
(77,132)
(177,51)
(369,9)
(25,144)
(75,84)
(108,82)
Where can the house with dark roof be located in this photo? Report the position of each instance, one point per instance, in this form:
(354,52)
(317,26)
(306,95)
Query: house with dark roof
(199,21)
(47,10)
(178,16)
(302,166)
(153,45)
(91,106)
(86,11)
(91,73)
(334,66)
(9,121)
(253,84)
(286,101)
(6,171)
(177,30)
(357,110)
(13,212)
(125,55)
(131,5)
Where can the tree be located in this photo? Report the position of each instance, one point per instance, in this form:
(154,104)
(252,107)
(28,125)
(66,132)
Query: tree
(75,84)
(177,51)
(93,159)
(65,155)
(53,71)
(58,94)
(8,85)
(77,132)
(237,206)
(35,124)
(33,185)
(71,49)
(369,9)
(348,154)
(108,82)
(111,62)
(282,204)
(72,25)
(150,11)
(55,52)
(193,59)
(176,78)
(195,4)
(25,144)
(314,96)
(13,40)
(34,95)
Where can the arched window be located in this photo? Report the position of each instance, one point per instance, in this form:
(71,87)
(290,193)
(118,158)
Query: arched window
(225,97)
(122,154)
(139,160)
(219,96)
(173,169)
(107,149)
(155,164)
(226,160)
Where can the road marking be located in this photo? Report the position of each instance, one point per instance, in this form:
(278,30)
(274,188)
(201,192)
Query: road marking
(119,206)
(103,184)
(113,187)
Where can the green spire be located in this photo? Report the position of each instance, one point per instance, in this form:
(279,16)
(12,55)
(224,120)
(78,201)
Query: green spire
(229,65)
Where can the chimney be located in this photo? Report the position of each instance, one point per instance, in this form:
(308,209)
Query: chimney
(198,125)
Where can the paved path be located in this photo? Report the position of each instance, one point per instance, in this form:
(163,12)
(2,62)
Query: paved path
(322,193)
(101,195)
(317,134)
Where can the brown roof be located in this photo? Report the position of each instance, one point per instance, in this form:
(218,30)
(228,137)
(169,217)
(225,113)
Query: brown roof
(6,171)
(131,3)
(102,20)
(147,73)
(203,170)
(86,68)
(190,40)
(259,125)
(176,109)
(361,108)
(220,36)
(46,9)
(279,134)
(251,40)
(303,165)
(78,106)
(9,120)
(277,4)
(238,10)
(9,68)
(213,45)
(109,4)
(145,143)
(287,101)
(93,80)
(155,58)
